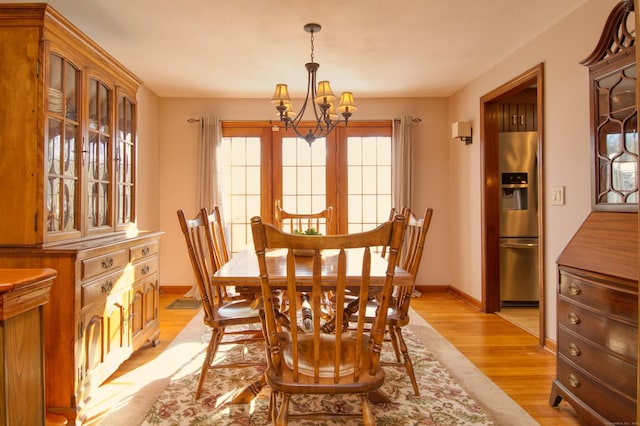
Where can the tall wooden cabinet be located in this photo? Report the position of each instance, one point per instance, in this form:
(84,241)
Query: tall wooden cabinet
(68,167)
(597,301)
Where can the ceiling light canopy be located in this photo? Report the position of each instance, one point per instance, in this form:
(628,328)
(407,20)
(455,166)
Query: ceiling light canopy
(322,100)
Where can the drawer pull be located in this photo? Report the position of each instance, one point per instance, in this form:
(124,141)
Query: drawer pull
(107,262)
(574,291)
(145,270)
(573,380)
(107,286)
(574,349)
(573,318)
(146,251)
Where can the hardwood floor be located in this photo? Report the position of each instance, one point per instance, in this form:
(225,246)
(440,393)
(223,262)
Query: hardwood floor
(503,352)
(506,354)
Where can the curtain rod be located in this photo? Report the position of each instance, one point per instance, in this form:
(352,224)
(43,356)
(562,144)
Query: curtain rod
(193,120)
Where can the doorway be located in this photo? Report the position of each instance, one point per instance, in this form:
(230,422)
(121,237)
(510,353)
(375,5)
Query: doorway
(491,115)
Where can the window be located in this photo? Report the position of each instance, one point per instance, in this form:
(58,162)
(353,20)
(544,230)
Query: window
(349,170)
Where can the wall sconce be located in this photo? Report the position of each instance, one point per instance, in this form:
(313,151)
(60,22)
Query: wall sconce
(462,130)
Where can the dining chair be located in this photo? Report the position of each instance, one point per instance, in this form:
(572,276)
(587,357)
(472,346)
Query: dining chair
(410,258)
(309,363)
(218,242)
(301,222)
(220,312)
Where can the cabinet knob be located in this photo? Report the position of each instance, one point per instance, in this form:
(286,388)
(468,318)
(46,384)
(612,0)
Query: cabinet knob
(107,286)
(573,318)
(573,349)
(144,270)
(145,251)
(107,262)
(574,290)
(573,381)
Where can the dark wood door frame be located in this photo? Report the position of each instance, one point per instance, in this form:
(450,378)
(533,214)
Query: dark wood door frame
(491,187)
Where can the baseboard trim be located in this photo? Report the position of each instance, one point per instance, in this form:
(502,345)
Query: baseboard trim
(174,289)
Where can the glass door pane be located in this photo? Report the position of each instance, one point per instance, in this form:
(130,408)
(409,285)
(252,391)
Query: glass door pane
(99,154)
(125,149)
(63,137)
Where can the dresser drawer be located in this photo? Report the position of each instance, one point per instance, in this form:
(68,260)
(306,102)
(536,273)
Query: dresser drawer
(610,404)
(602,364)
(105,263)
(142,251)
(607,299)
(614,335)
(146,268)
(98,290)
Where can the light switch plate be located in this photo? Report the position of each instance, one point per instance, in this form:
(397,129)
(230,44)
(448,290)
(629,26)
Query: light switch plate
(557,196)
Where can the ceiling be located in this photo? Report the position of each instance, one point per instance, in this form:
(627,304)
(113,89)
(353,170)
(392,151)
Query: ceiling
(374,48)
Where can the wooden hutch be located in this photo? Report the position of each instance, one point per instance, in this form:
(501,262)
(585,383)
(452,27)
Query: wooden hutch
(597,301)
(68,166)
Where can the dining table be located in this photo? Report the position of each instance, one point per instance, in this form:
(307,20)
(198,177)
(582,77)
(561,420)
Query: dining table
(242,272)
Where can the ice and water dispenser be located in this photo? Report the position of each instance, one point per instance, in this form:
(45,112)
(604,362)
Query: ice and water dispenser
(515,191)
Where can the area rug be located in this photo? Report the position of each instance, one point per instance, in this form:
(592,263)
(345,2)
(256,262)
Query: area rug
(185,304)
(453,391)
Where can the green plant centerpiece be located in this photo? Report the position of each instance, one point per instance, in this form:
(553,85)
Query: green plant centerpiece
(310,232)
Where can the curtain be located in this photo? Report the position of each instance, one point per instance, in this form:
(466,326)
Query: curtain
(207,185)
(402,163)
(208,193)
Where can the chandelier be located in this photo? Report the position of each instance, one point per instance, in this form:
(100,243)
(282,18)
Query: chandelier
(320,97)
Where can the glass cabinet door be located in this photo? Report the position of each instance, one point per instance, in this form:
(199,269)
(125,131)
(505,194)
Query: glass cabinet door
(61,151)
(99,154)
(616,139)
(125,152)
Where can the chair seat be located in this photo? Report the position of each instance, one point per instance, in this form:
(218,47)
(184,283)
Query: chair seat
(237,309)
(327,354)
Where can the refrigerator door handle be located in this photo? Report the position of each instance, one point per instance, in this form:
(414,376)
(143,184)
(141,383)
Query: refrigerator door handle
(519,245)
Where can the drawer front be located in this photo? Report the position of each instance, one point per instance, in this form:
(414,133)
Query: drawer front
(608,368)
(613,335)
(105,263)
(609,404)
(142,251)
(98,290)
(610,301)
(146,268)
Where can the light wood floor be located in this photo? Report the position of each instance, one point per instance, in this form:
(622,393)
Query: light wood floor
(503,352)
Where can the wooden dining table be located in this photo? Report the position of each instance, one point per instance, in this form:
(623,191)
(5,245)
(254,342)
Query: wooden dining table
(242,272)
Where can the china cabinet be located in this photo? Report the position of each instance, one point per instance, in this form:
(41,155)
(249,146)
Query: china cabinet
(68,166)
(597,298)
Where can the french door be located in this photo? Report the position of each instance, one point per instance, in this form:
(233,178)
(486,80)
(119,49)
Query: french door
(350,170)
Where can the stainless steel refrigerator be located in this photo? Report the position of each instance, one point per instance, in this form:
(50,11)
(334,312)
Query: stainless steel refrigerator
(518,218)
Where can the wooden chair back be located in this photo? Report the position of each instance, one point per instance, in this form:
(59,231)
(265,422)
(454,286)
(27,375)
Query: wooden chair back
(411,253)
(217,240)
(347,359)
(196,231)
(301,222)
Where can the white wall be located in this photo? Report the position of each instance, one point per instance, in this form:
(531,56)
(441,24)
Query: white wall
(178,159)
(566,145)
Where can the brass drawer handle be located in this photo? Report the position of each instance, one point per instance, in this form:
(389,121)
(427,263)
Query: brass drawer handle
(145,270)
(573,318)
(146,251)
(574,291)
(107,262)
(574,349)
(107,286)
(573,380)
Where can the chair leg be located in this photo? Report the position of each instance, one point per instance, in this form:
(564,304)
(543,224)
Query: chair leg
(283,411)
(407,361)
(367,414)
(212,348)
(394,341)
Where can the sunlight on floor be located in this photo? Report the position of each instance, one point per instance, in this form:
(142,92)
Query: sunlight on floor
(527,318)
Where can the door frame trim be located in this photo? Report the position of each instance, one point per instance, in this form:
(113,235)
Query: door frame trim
(490,196)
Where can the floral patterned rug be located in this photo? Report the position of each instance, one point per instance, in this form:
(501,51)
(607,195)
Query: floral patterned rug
(442,400)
